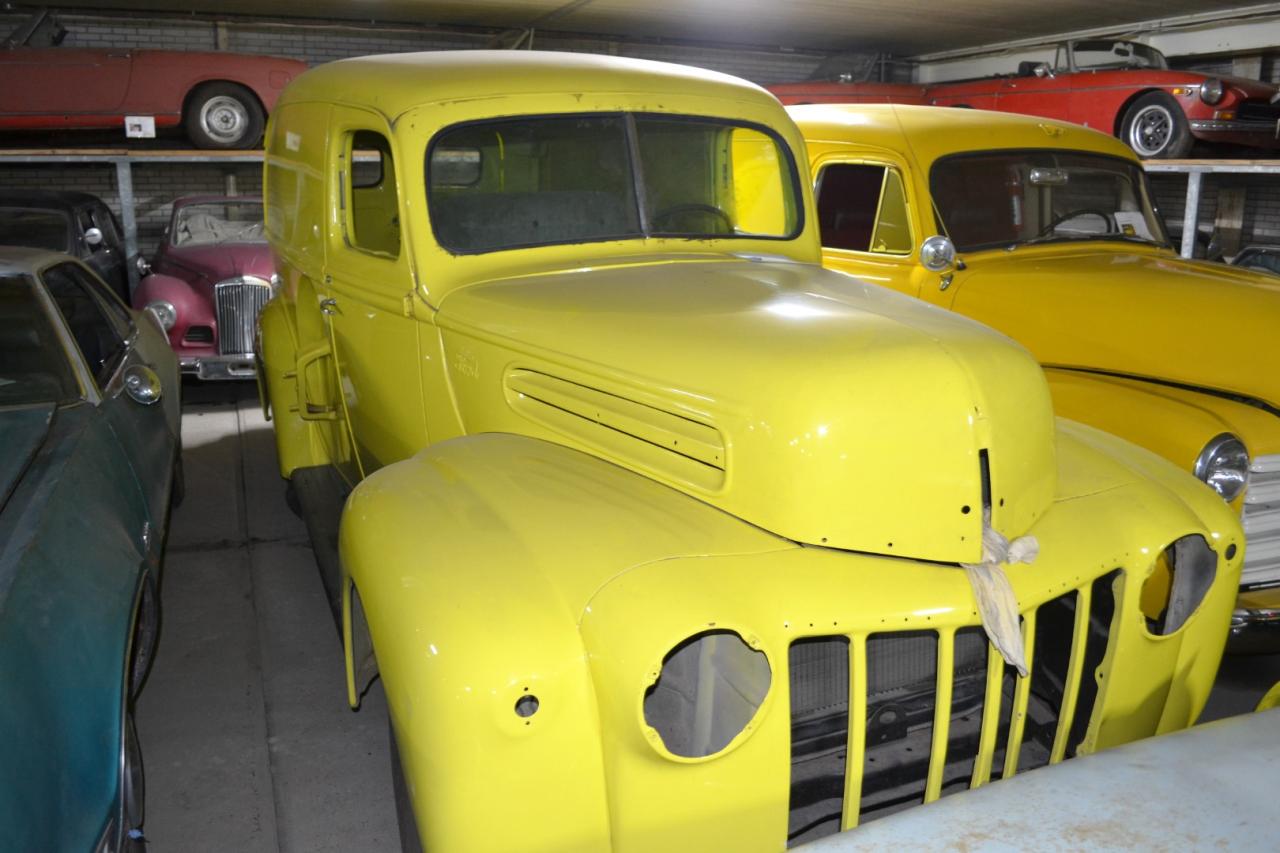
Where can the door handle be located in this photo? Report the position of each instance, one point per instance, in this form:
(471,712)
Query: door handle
(329,307)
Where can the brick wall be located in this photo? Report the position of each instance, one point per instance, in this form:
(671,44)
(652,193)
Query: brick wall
(155,186)
(1261,210)
(1223,67)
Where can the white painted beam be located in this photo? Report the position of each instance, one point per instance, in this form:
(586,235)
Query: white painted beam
(1239,37)
(1241,31)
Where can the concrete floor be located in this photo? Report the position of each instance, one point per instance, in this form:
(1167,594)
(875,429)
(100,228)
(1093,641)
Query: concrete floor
(247,739)
(246,736)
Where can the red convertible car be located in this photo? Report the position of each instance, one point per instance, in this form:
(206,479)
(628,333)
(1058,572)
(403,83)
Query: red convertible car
(207,282)
(1119,87)
(220,99)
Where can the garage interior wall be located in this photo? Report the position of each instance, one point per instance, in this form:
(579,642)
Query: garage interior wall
(156,186)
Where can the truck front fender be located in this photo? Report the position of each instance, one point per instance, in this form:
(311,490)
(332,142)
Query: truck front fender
(1173,422)
(474,562)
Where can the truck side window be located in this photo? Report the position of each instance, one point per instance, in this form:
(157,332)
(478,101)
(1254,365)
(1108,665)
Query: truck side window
(373,219)
(862,207)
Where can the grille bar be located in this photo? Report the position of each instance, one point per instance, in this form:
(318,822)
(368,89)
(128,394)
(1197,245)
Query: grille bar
(1021,697)
(1079,641)
(990,718)
(238,302)
(857,752)
(941,715)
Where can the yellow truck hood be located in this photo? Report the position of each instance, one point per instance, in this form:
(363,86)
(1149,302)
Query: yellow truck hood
(813,405)
(1137,313)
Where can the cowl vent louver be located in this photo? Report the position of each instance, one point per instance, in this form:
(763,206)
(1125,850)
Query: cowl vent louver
(673,445)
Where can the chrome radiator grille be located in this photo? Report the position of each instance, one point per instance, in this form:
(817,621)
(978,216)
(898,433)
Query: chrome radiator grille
(1262,522)
(885,721)
(238,302)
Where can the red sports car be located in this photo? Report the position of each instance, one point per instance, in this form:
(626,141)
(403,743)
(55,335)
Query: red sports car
(1119,87)
(221,99)
(207,282)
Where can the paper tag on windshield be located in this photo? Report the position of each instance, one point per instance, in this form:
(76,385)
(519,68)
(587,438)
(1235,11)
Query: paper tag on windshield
(1133,224)
(140,127)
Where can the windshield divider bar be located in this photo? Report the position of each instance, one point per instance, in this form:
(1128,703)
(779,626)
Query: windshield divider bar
(637,175)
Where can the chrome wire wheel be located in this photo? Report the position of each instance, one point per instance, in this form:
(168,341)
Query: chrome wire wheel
(225,119)
(1150,130)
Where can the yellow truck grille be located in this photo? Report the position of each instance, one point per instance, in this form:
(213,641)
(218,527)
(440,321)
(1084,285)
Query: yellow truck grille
(1262,523)
(884,721)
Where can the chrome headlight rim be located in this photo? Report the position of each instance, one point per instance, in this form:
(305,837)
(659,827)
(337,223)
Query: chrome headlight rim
(1223,464)
(164,312)
(1212,91)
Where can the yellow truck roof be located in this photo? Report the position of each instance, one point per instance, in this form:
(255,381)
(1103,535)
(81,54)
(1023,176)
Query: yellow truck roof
(938,131)
(394,83)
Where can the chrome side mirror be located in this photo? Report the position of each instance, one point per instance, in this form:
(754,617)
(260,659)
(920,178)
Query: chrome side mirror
(1042,70)
(142,384)
(93,236)
(938,253)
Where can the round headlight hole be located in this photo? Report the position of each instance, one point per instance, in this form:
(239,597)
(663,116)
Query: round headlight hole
(1182,576)
(707,693)
(527,706)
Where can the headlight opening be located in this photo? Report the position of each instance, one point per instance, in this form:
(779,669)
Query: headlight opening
(1182,576)
(707,693)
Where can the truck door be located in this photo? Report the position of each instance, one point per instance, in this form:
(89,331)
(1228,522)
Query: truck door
(369,293)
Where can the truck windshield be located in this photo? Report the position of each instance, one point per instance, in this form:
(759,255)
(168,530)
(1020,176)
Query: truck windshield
(33,363)
(1010,198)
(1105,53)
(536,181)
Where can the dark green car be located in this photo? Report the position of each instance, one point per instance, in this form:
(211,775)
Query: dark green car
(89,394)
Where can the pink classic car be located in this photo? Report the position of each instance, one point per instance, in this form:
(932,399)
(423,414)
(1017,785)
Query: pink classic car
(211,275)
(1119,87)
(220,99)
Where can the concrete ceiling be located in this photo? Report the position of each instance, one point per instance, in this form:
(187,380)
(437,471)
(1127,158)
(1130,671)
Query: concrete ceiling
(901,27)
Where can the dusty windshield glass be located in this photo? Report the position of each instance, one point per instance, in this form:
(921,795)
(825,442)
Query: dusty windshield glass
(574,179)
(1105,53)
(35,228)
(1010,198)
(33,364)
(217,222)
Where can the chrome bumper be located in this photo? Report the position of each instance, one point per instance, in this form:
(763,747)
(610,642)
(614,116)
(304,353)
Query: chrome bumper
(216,367)
(1233,126)
(1255,623)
